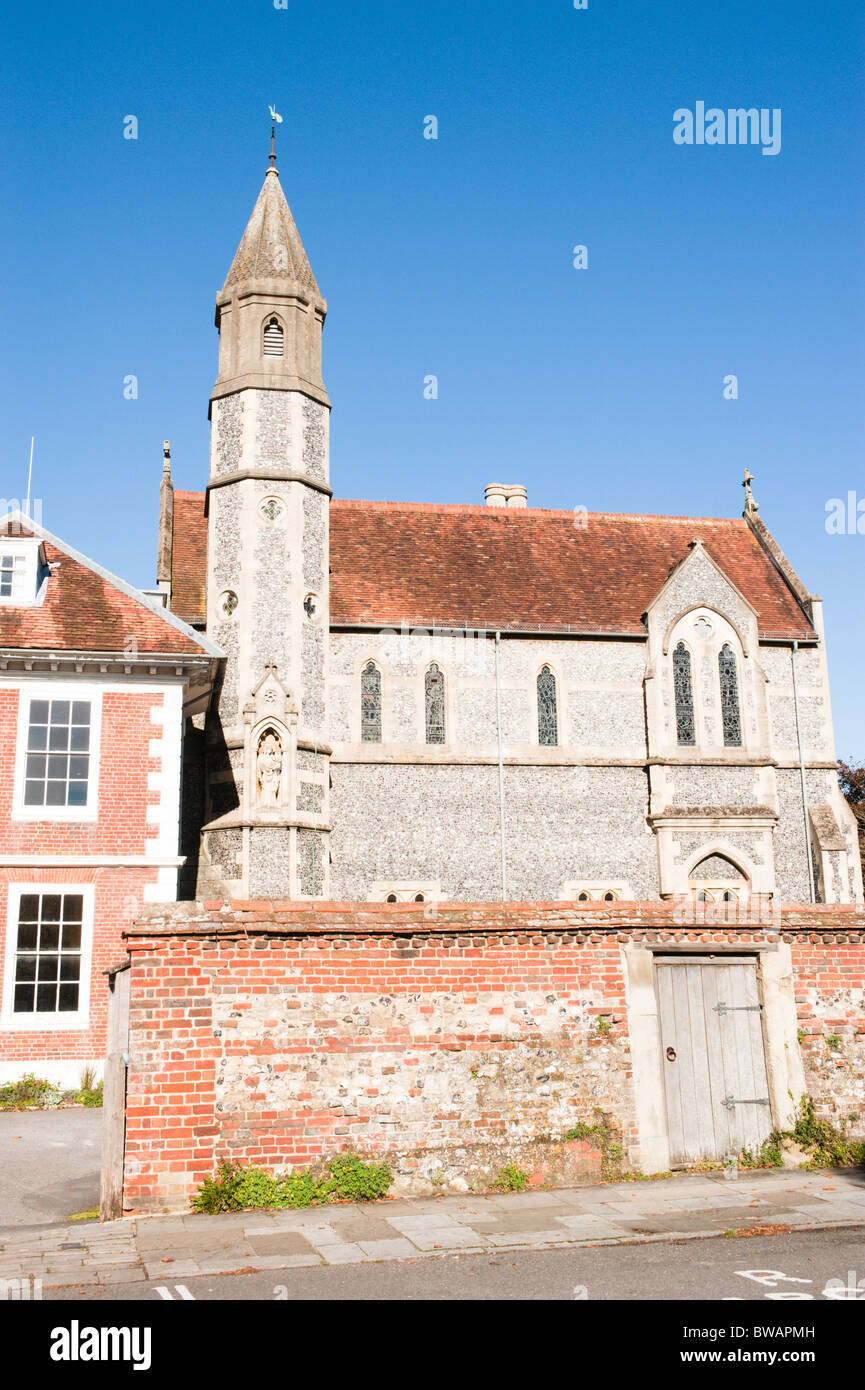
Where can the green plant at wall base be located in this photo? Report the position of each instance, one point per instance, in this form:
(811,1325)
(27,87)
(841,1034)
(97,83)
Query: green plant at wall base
(830,1147)
(800,1034)
(356,1181)
(510,1179)
(234,1188)
(833,1042)
(28,1092)
(89,1095)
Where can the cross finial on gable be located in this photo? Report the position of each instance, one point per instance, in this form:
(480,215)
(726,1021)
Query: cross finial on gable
(750,505)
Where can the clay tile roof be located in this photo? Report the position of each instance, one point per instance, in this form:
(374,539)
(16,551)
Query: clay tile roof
(88,610)
(189,557)
(524,568)
(511,569)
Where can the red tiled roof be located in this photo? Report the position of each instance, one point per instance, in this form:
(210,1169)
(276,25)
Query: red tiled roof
(84,611)
(500,568)
(189,557)
(516,568)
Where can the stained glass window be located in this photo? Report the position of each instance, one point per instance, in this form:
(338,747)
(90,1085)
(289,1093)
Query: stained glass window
(684,691)
(730,697)
(548,724)
(370,703)
(435,705)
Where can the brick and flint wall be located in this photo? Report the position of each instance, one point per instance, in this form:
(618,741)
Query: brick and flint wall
(448,1038)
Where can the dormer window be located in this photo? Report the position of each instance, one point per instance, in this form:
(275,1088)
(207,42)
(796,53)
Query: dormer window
(273,338)
(13,575)
(20,569)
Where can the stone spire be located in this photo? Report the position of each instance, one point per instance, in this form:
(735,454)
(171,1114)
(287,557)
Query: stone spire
(271,248)
(270,311)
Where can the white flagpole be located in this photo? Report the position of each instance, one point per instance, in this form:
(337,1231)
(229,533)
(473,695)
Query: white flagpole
(29,477)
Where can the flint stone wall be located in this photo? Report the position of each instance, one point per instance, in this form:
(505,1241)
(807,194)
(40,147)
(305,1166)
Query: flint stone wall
(449,1039)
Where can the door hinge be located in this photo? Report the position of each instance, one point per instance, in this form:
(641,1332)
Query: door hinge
(738,1008)
(728,1102)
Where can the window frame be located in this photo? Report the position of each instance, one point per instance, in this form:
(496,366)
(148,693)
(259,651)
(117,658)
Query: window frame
(43,1022)
(374,662)
(272,317)
(35,571)
(723,703)
(696,741)
(71,690)
(427,741)
(547,666)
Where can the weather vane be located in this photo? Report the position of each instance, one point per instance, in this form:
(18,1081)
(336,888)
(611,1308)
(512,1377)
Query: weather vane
(274,118)
(750,504)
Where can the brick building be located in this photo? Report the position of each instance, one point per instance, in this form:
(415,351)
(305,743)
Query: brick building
(96,679)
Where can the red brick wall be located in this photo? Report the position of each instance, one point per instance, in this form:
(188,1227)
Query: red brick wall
(121,828)
(451,1039)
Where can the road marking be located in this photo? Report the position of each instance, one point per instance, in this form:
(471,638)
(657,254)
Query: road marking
(771,1277)
(165,1292)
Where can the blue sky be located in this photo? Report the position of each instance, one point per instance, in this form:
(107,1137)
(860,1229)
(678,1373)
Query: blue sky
(600,387)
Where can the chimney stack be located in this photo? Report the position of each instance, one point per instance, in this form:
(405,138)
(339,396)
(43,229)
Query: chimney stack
(510,495)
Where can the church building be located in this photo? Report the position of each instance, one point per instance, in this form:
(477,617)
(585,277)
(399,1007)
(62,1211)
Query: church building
(423,702)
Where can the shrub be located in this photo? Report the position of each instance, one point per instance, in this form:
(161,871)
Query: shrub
(356,1181)
(233,1188)
(29,1091)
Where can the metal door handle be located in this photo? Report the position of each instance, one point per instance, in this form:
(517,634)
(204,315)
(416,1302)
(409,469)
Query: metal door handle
(671,1054)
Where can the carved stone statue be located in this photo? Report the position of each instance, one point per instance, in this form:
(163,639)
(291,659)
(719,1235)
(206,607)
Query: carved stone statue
(268,769)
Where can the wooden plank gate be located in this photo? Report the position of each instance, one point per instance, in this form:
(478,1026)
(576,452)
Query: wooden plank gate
(713,1057)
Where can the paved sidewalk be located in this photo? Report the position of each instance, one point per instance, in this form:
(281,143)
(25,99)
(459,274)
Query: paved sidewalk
(175,1247)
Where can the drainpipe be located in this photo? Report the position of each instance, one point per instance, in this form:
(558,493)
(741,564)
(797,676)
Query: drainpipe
(501,764)
(793,650)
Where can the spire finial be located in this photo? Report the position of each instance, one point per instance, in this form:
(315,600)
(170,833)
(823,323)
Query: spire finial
(750,505)
(166,458)
(274,118)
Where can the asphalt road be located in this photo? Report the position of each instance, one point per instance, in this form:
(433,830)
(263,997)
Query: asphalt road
(797,1264)
(49,1161)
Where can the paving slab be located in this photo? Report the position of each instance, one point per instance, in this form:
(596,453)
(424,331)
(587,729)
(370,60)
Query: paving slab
(283,1243)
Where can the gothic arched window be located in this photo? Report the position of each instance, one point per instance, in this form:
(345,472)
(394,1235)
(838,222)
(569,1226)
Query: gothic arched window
(434,691)
(548,724)
(686,732)
(273,338)
(370,703)
(730,715)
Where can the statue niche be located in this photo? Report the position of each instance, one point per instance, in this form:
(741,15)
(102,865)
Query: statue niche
(268,768)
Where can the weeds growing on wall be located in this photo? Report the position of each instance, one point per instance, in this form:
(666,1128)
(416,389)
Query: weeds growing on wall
(234,1188)
(604,1137)
(828,1146)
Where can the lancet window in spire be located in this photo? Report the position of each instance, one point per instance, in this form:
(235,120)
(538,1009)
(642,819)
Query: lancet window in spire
(730,713)
(548,724)
(686,732)
(370,703)
(273,338)
(434,690)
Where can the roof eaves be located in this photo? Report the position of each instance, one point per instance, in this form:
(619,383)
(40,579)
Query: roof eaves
(136,594)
